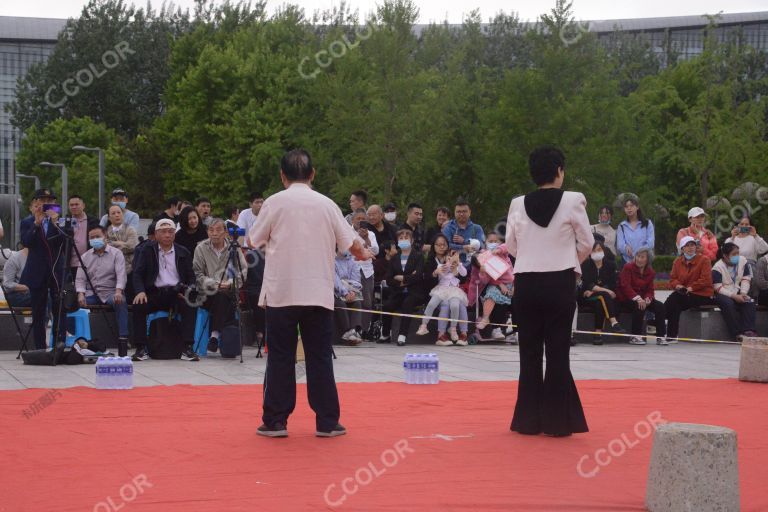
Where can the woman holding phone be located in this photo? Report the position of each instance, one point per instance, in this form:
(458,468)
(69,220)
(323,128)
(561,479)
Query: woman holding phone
(751,245)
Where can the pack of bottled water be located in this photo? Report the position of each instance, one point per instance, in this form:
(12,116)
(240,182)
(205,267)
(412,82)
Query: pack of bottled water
(114,373)
(422,368)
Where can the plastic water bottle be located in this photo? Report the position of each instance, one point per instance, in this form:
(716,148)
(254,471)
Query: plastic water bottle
(434,370)
(420,369)
(112,379)
(407,367)
(128,373)
(101,363)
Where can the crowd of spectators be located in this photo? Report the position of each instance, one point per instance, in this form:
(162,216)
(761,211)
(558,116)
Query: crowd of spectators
(434,262)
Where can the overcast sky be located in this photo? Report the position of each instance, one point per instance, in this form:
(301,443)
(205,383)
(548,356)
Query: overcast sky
(439,10)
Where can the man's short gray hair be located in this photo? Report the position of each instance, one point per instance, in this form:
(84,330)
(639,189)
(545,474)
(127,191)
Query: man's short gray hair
(216,220)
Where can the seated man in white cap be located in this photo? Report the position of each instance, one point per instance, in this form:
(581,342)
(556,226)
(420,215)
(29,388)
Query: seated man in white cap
(158,271)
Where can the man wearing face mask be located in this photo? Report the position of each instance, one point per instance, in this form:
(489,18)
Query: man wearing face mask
(691,278)
(130,218)
(106,269)
(390,213)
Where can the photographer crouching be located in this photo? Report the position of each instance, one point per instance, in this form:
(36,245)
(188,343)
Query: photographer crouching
(162,276)
(215,271)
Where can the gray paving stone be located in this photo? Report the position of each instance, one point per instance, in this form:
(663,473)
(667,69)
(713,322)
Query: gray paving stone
(382,363)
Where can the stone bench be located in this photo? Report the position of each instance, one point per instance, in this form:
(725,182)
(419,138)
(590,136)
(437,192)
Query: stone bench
(754,360)
(708,323)
(693,468)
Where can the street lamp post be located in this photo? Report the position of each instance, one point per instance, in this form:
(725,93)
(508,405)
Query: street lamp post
(64,179)
(101,173)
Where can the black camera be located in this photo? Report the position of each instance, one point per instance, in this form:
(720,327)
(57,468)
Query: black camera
(190,292)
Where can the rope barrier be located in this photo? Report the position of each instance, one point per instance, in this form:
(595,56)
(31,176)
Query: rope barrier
(594,333)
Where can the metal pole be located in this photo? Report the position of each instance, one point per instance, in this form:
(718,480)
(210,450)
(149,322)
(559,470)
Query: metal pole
(101,183)
(64,186)
(16,213)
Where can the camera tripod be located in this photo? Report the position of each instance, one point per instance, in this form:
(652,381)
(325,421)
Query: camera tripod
(59,327)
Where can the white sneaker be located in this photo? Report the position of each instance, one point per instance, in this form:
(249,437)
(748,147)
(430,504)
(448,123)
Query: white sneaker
(463,343)
(422,331)
(453,334)
(671,341)
(497,334)
(662,341)
(401,340)
(511,338)
(636,340)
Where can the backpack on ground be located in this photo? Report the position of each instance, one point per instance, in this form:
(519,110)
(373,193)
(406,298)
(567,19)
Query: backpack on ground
(229,342)
(164,340)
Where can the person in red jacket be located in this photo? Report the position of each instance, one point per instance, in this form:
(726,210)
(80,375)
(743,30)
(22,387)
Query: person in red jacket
(691,278)
(635,295)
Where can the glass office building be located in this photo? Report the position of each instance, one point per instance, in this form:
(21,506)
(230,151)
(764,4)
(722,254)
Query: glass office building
(23,42)
(683,36)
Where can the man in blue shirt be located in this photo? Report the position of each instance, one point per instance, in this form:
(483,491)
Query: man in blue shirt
(461,230)
(130,218)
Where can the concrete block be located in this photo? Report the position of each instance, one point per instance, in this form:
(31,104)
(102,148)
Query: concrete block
(754,360)
(694,468)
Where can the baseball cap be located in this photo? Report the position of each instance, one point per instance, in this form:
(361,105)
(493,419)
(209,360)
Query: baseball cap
(695,212)
(119,192)
(165,224)
(390,207)
(44,192)
(685,240)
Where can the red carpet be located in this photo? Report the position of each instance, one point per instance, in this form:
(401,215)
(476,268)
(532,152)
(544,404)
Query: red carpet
(194,449)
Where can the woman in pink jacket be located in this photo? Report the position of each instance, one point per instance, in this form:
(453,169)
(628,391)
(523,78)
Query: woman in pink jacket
(495,291)
(705,239)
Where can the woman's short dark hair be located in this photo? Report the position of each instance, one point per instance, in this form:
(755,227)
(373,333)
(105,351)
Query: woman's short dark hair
(606,207)
(543,163)
(444,210)
(387,245)
(726,248)
(296,165)
(404,231)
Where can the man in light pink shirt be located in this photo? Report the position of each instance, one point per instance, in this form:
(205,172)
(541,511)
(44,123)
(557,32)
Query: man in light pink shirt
(299,230)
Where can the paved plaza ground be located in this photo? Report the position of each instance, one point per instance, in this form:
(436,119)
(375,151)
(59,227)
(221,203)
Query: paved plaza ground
(383,363)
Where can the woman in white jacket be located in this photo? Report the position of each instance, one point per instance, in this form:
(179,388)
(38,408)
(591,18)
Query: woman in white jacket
(732,277)
(548,232)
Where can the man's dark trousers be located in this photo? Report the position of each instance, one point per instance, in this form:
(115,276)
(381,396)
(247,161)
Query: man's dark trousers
(316,324)
(40,298)
(163,299)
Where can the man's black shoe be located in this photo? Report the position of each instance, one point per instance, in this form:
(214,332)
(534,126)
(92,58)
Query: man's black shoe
(189,355)
(336,431)
(276,430)
(213,344)
(140,355)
